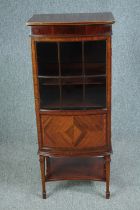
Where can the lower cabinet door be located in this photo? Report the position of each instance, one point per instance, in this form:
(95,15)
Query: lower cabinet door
(74,132)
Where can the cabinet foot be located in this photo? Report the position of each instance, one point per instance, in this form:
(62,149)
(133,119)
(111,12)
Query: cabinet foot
(107,195)
(44,195)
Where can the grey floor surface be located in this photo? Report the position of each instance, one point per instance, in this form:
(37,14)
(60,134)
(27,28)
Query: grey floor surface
(20,186)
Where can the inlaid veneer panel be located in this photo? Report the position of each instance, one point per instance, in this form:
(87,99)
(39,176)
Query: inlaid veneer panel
(80,132)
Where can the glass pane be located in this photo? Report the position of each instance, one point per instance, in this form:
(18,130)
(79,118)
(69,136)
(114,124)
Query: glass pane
(95,57)
(71,58)
(49,95)
(95,95)
(47,58)
(71,89)
(72,96)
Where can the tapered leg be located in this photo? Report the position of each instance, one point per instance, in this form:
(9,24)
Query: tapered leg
(42,168)
(47,166)
(107,169)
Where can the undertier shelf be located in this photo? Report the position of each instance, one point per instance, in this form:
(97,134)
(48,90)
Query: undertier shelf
(75,168)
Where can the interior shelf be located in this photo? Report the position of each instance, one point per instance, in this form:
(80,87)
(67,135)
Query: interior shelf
(71,77)
(73,80)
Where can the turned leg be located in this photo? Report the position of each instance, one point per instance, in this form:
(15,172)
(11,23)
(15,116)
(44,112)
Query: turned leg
(42,168)
(107,170)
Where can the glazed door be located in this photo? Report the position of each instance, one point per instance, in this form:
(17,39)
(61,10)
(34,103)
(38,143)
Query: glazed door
(72,75)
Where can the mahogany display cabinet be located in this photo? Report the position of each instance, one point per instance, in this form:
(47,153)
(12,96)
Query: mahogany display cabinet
(71,58)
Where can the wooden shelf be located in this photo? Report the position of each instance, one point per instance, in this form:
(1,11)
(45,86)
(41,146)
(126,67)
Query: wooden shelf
(70,107)
(74,168)
(72,80)
(72,77)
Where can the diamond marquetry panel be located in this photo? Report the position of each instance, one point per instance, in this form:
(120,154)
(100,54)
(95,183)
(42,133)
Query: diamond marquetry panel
(74,131)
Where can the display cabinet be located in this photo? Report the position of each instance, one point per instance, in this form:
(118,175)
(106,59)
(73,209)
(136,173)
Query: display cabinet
(71,57)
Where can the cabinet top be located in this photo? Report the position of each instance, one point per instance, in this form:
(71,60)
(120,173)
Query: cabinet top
(71,19)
